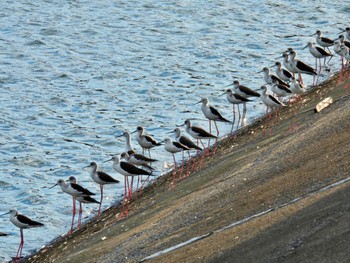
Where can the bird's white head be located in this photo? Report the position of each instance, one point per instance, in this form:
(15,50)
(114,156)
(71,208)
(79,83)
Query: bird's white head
(12,212)
(177,132)
(115,159)
(60,182)
(264,89)
(167,140)
(124,155)
(72,180)
(228,91)
(188,123)
(140,130)
(126,134)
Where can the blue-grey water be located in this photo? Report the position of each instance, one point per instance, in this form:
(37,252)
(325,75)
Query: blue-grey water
(76,74)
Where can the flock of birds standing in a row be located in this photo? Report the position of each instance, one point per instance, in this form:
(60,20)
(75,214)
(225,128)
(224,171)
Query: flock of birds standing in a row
(283,84)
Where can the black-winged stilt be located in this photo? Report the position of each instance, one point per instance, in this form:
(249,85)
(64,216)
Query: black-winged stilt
(146,141)
(100,178)
(235,99)
(82,199)
(74,190)
(174,147)
(212,114)
(22,222)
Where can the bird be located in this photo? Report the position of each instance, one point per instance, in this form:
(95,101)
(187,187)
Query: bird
(235,99)
(342,40)
(270,78)
(127,169)
(296,87)
(145,141)
(318,53)
(74,190)
(287,63)
(22,222)
(337,46)
(347,32)
(100,178)
(345,52)
(138,159)
(198,133)
(128,148)
(340,50)
(174,147)
(82,199)
(185,140)
(245,92)
(280,90)
(212,114)
(300,66)
(191,146)
(323,41)
(270,101)
(282,73)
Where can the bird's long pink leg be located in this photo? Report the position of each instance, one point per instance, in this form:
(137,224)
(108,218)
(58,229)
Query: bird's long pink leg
(131,186)
(239,116)
(244,113)
(174,173)
(188,164)
(74,211)
(19,251)
(125,206)
(80,214)
(209,132)
(101,191)
(234,118)
(205,151)
(127,196)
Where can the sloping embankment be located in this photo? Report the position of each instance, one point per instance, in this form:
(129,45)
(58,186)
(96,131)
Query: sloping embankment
(260,198)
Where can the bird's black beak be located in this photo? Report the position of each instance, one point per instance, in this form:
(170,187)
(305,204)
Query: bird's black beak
(53,186)
(5,213)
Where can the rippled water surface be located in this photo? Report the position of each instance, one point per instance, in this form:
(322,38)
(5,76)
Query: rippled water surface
(76,74)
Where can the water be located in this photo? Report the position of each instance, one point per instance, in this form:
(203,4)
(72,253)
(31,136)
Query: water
(76,74)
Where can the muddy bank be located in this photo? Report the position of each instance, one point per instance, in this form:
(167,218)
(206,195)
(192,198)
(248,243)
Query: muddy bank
(258,199)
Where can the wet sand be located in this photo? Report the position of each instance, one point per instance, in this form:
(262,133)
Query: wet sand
(265,196)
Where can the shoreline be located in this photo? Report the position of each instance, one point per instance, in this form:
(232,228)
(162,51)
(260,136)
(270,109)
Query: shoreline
(201,203)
